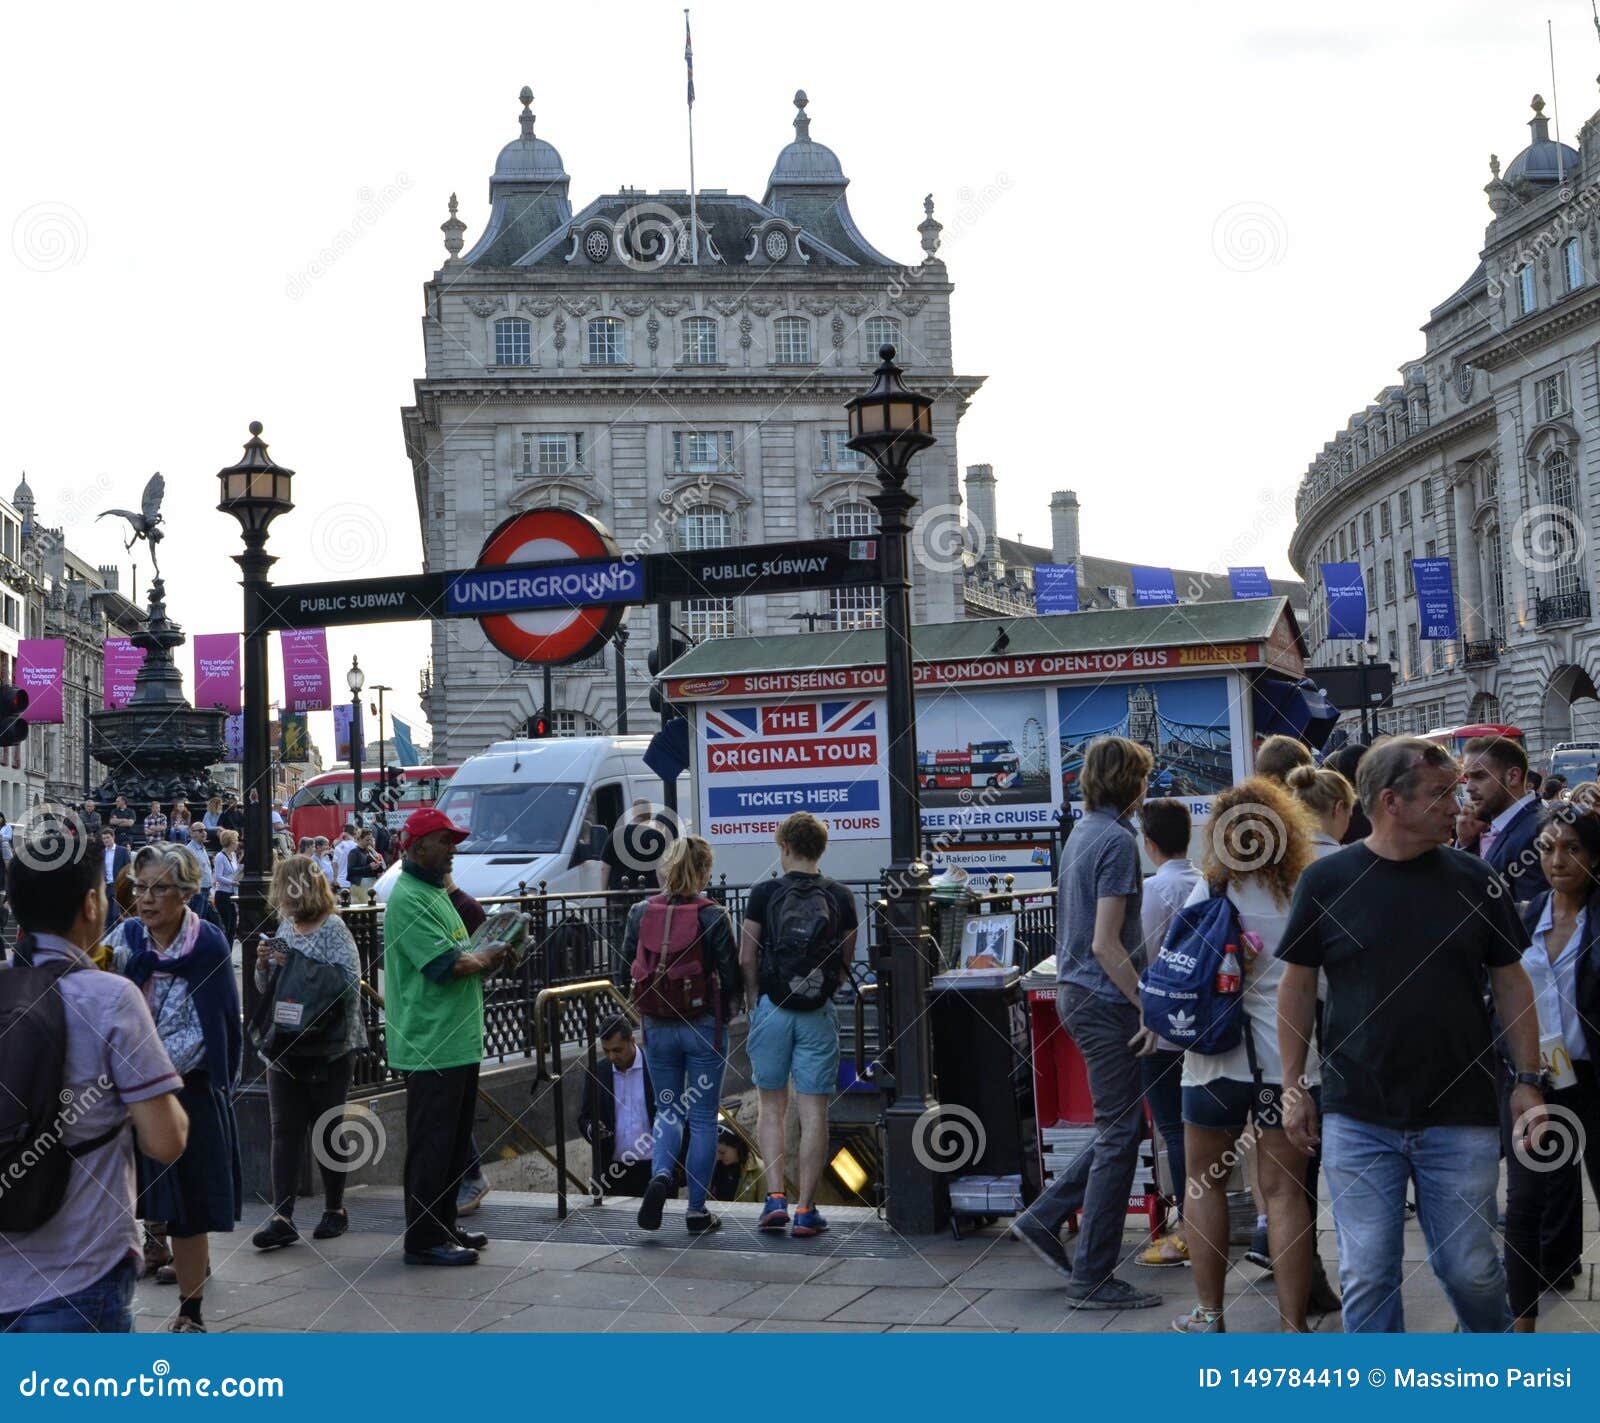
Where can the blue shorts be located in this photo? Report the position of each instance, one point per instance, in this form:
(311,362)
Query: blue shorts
(805,1046)
(1224,1105)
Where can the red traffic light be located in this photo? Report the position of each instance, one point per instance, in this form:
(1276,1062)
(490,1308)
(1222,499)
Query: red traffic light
(13,729)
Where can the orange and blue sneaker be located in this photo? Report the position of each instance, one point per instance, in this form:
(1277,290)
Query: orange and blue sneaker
(775,1214)
(808,1223)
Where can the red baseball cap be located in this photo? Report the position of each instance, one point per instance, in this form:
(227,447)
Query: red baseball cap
(426,821)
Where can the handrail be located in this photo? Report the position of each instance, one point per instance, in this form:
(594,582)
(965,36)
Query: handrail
(859,1009)
(569,990)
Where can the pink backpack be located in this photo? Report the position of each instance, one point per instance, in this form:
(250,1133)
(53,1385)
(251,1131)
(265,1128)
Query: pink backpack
(671,976)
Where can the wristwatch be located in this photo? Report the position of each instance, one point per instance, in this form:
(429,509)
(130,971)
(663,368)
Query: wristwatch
(1531,1079)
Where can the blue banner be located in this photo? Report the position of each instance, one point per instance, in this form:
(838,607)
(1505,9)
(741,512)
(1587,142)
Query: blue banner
(1152,587)
(1347,601)
(577,585)
(405,752)
(1436,598)
(832,797)
(1249,583)
(1055,588)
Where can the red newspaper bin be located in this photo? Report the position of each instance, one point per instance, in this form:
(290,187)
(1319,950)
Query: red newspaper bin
(1064,1109)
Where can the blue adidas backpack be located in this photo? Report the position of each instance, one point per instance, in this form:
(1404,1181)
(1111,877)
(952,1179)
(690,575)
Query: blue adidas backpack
(1178,994)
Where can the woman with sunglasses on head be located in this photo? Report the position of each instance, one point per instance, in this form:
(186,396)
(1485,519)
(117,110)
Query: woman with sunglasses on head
(185,967)
(1543,1178)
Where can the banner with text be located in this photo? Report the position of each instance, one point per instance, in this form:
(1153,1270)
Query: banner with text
(40,663)
(984,759)
(1153,587)
(1055,588)
(306,683)
(1249,583)
(344,715)
(1347,601)
(123,661)
(216,671)
(1436,598)
(233,738)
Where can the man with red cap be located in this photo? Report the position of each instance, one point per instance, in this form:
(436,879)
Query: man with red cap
(433,1003)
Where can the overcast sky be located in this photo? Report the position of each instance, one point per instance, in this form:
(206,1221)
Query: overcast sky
(1187,241)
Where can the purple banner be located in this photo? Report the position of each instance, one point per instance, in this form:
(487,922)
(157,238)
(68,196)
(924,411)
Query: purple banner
(216,671)
(40,661)
(123,661)
(233,738)
(306,684)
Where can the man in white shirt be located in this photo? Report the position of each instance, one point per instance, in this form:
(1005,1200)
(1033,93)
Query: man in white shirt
(341,857)
(618,1112)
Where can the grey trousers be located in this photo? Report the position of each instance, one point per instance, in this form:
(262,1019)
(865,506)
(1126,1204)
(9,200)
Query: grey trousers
(1097,1183)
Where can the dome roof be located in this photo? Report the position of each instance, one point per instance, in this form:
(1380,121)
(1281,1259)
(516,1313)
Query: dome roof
(1544,160)
(528,159)
(805,162)
(24,495)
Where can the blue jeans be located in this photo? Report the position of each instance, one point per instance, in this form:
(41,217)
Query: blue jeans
(1456,1170)
(686,1068)
(105,1307)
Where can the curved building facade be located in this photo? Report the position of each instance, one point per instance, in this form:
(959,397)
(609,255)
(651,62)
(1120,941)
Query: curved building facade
(1485,452)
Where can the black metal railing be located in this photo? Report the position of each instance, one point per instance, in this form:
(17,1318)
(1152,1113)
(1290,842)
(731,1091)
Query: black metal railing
(1562,608)
(1481,650)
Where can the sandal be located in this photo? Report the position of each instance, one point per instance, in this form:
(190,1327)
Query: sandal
(184,1325)
(1169,1251)
(1200,1320)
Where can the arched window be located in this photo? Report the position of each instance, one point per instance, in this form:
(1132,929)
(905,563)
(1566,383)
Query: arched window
(607,346)
(1572,260)
(852,520)
(703,526)
(513,342)
(700,341)
(882,331)
(791,341)
(1495,584)
(1562,531)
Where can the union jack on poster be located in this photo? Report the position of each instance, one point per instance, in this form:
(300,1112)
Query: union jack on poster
(732,723)
(848,716)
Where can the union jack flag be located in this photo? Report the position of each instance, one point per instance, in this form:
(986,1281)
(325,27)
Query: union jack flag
(732,723)
(688,55)
(847,716)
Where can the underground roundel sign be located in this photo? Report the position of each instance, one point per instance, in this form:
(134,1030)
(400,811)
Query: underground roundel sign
(564,627)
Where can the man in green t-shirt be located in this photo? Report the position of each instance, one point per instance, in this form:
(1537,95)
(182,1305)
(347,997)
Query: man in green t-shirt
(433,1006)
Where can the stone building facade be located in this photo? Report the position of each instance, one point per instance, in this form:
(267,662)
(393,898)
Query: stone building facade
(677,369)
(1484,452)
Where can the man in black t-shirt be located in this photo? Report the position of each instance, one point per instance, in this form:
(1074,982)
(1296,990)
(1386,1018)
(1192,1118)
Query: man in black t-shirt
(1406,930)
(633,850)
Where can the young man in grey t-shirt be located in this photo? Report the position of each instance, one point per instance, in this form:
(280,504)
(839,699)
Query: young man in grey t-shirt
(1098,955)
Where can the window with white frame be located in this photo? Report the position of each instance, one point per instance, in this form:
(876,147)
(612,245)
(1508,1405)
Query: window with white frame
(1366,527)
(1405,507)
(1550,396)
(1496,589)
(573,723)
(607,346)
(852,520)
(513,342)
(1427,496)
(1371,586)
(1573,255)
(705,618)
(881,331)
(1394,648)
(703,526)
(791,340)
(702,452)
(1417,413)
(856,608)
(1341,543)
(1388,580)
(1525,293)
(1413,651)
(834,452)
(549,455)
(1411,576)
(700,346)
(1385,519)
(1561,494)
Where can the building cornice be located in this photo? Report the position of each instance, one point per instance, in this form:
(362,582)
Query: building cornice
(1531,333)
(1375,471)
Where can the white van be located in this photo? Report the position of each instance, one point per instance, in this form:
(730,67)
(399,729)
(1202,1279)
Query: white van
(541,811)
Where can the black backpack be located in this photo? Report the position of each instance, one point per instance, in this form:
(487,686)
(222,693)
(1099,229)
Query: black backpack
(800,966)
(34,1162)
(306,1015)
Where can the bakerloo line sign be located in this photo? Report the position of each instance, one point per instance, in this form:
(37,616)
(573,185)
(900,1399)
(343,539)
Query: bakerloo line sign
(551,585)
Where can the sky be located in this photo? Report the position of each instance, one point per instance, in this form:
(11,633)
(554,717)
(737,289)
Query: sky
(1187,241)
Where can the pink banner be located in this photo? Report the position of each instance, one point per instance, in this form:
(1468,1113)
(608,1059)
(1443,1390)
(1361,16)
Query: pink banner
(306,683)
(123,661)
(216,671)
(40,661)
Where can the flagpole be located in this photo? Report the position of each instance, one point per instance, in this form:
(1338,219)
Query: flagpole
(694,225)
(1555,102)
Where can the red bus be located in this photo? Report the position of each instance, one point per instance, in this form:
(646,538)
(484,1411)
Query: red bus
(1454,738)
(325,804)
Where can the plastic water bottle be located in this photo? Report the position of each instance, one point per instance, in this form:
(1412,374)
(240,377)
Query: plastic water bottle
(1229,977)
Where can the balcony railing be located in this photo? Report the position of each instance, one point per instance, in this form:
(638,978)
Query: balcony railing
(1481,651)
(1562,608)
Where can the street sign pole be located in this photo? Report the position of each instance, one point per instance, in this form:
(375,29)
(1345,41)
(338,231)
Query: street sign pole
(669,789)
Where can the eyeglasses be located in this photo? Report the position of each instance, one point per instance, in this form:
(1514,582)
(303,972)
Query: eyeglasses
(143,889)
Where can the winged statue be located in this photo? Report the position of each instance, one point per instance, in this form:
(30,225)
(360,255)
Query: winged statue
(146,524)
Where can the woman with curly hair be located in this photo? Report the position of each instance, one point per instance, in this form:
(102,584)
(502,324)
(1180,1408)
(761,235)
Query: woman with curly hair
(1257,842)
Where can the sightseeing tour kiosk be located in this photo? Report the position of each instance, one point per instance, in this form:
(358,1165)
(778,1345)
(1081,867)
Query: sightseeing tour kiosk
(1005,709)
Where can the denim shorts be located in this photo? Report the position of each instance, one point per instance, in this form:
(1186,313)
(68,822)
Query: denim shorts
(783,1043)
(1225,1103)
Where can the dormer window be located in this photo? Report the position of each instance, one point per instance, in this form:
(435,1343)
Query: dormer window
(775,245)
(513,342)
(597,244)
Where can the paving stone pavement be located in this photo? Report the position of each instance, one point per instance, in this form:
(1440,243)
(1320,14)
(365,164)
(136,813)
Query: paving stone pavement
(857,1278)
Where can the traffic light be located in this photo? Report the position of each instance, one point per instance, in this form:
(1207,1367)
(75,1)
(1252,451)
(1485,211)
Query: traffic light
(393,778)
(13,729)
(658,702)
(539,725)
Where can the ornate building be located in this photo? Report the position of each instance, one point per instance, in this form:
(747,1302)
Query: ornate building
(682,382)
(1484,453)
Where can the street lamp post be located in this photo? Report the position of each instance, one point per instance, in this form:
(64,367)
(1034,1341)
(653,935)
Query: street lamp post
(619,650)
(890,424)
(383,761)
(255,491)
(356,680)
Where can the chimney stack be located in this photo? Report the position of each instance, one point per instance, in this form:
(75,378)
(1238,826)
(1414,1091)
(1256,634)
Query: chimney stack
(981,529)
(1064,526)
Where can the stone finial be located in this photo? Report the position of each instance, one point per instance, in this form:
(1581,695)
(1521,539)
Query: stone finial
(1537,103)
(526,98)
(452,227)
(930,229)
(802,123)
(1494,164)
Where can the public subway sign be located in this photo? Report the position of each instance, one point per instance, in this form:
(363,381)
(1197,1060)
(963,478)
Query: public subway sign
(762,568)
(968,671)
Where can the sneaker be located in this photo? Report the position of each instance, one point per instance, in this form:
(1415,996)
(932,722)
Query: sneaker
(471,1195)
(1111,1294)
(1200,1321)
(1259,1252)
(775,1214)
(655,1199)
(701,1222)
(275,1234)
(1323,1298)
(1043,1241)
(1170,1250)
(332,1225)
(808,1222)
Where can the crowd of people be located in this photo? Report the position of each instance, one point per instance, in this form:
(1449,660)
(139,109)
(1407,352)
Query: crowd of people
(1416,974)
